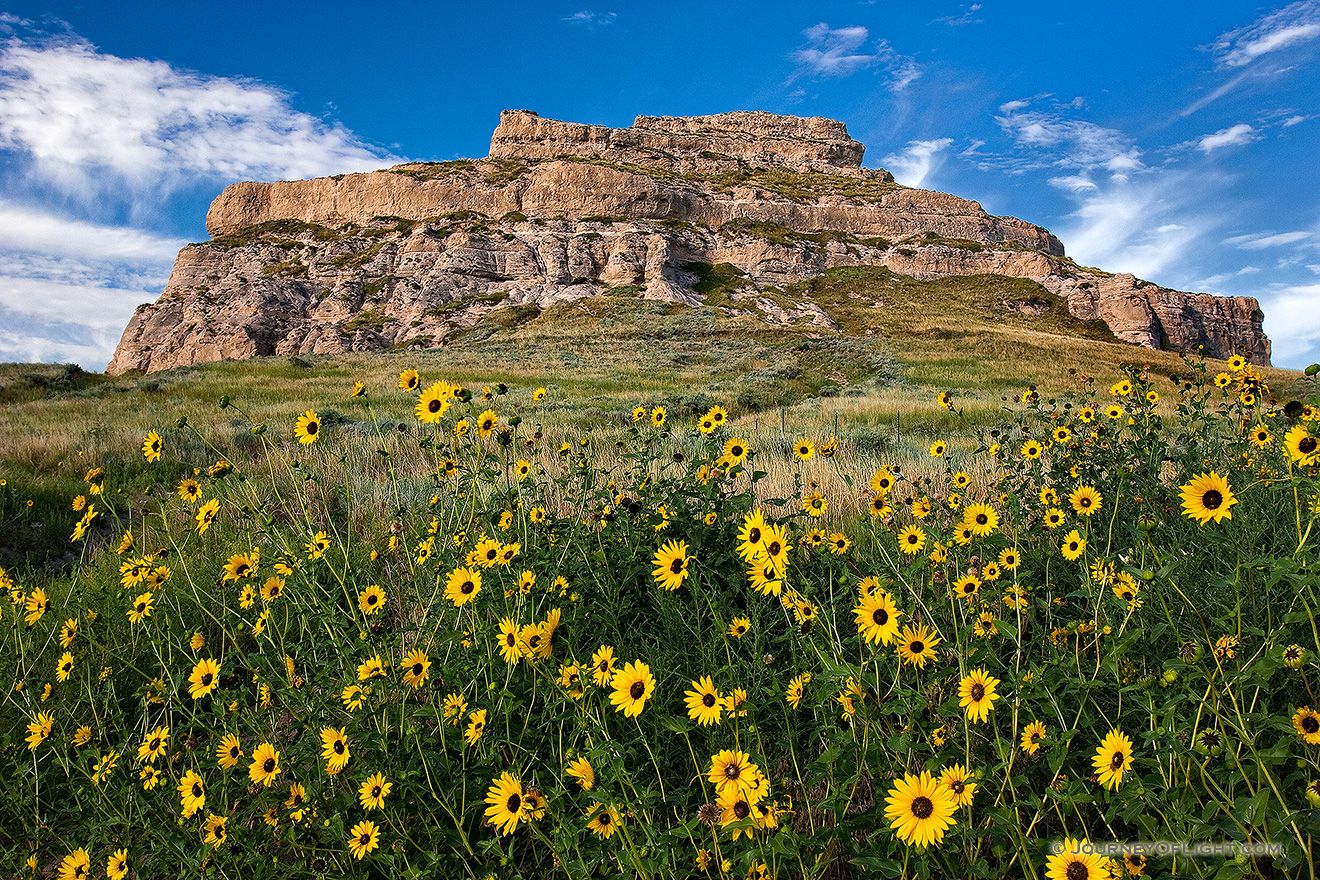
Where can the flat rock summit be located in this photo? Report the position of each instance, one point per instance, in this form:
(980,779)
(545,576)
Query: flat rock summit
(410,255)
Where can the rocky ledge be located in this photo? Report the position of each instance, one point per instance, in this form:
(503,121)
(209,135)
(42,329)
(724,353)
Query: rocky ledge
(558,211)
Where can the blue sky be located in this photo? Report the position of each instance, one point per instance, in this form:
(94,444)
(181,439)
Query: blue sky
(1177,141)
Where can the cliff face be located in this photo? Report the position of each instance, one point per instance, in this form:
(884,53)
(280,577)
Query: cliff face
(560,211)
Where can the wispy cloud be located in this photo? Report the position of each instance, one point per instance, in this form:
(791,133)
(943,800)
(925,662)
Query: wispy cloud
(1292,25)
(1228,137)
(591,19)
(1292,320)
(32,230)
(1259,241)
(1045,138)
(1141,223)
(1237,50)
(968,17)
(103,136)
(837,52)
(918,159)
(78,114)
(833,51)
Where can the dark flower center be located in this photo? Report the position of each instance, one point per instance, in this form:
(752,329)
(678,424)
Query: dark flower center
(207,679)
(881,617)
(982,519)
(311,427)
(676,567)
(978,692)
(1116,761)
(636,690)
(922,807)
(339,747)
(708,700)
(468,587)
(1212,499)
(1307,445)
(197,789)
(958,786)
(741,809)
(155,744)
(605,819)
(375,791)
(731,771)
(917,647)
(417,670)
(515,802)
(754,536)
(1310,724)
(1077,871)
(365,839)
(269,766)
(371,599)
(242,569)
(433,406)
(773,548)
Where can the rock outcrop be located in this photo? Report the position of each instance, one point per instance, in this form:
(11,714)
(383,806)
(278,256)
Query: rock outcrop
(559,211)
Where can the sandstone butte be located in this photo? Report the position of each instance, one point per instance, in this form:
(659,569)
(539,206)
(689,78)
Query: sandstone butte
(407,256)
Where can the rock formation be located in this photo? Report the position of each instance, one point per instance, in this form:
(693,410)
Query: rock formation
(558,211)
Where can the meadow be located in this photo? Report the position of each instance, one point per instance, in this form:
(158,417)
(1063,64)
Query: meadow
(702,605)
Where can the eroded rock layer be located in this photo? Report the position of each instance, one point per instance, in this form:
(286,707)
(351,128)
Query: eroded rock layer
(559,211)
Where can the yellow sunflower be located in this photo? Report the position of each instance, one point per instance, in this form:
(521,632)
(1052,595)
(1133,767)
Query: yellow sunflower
(371,600)
(365,836)
(1085,500)
(916,645)
(434,402)
(229,751)
(308,428)
(1074,864)
(192,793)
(409,380)
(462,586)
(632,686)
(1306,722)
(415,667)
(1208,497)
(704,703)
(205,678)
(877,618)
(506,807)
(976,694)
(334,748)
(957,780)
(1073,545)
(152,446)
(671,565)
(265,766)
(920,809)
(581,770)
(1032,736)
(1112,759)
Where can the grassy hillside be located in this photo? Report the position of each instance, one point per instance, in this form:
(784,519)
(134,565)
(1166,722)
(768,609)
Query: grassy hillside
(900,342)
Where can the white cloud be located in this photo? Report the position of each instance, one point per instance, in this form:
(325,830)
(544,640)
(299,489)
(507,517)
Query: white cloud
(832,52)
(1293,120)
(1294,24)
(1073,183)
(35,231)
(917,160)
(103,136)
(968,17)
(1258,241)
(1143,223)
(1228,137)
(1049,139)
(1292,321)
(77,114)
(591,19)
(48,320)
